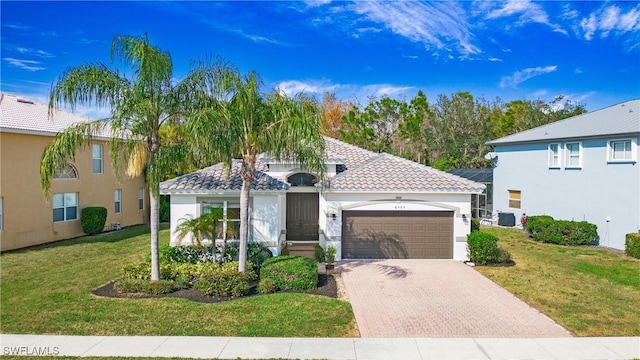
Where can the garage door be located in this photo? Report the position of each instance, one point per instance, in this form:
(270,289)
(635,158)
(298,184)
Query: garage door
(397,235)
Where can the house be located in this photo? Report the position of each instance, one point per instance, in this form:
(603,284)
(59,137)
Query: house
(370,205)
(28,218)
(581,168)
(481,204)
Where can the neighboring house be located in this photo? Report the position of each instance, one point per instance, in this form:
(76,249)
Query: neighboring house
(26,216)
(581,168)
(481,204)
(370,205)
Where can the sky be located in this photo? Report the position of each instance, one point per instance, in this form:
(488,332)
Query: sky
(588,52)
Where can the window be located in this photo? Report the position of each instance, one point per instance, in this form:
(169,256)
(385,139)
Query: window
(96,156)
(67,172)
(118,200)
(65,207)
(141,198)
(1,218)
(573,159)
(230,222)
(620,150)
(554,155)
(515,199)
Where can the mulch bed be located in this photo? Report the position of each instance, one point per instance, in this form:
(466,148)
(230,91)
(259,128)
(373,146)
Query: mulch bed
(326,287)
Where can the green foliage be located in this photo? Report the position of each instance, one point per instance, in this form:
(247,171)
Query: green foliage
(225,281)
(190,254)
(200,228)
(330,255)
(632,245)
(284,252)
(475,224)
(319,253)
(140,271)
(165,208)
(484,249)
(267,286)
(291,272)
(562,232)
(145,286)
(92,219)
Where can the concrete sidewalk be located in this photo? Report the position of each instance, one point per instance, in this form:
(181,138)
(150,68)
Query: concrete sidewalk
(323,348)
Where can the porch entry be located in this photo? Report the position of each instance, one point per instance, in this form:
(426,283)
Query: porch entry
(302,223)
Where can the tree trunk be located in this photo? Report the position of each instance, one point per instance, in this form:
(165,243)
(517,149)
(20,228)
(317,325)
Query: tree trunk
(244,224)
(154,222)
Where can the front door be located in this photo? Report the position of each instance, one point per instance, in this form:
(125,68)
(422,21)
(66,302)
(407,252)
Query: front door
(302,216)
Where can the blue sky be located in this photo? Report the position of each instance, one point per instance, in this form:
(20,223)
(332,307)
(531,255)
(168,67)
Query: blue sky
(587,51)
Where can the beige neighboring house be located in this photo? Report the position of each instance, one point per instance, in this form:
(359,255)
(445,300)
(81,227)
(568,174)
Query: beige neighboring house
(28,218)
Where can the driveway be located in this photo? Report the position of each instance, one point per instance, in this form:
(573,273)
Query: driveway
(436,298)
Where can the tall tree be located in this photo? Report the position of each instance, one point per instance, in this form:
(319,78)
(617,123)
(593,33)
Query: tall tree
(139,105)
(244,123)
(333,110)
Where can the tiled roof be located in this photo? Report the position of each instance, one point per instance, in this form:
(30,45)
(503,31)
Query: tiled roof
(617,120)
(352,156)
(214,178)
(391,173)
(26,116)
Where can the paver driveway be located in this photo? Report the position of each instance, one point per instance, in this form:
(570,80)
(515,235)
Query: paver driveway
(436,298)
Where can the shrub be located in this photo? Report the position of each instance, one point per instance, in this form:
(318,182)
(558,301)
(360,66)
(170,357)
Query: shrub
(330,255)
(319,253)
(145,286)
(267,286)
(284,252)
(475,224)
(291,272)
(225,281)
(564,232)
(632,245)
(483,247)
(257,254)
(172,271)
(92,219)
(140,271)
(190,254)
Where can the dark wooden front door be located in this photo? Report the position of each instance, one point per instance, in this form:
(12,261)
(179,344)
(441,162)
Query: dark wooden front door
(302,216)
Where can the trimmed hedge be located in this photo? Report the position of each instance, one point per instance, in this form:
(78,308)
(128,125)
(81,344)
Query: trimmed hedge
(92,219)
(291,272)
(563,232)
(484,249)
(225,281)
(145,286)
(632,245)
(475,224)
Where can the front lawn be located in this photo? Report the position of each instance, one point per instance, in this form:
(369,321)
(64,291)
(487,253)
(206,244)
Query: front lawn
(589,292)
(47,290)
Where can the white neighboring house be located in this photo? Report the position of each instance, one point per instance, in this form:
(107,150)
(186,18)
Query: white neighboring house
(581,168)
(371,205)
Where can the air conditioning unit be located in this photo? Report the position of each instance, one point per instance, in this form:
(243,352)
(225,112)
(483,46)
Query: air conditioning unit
(116,226)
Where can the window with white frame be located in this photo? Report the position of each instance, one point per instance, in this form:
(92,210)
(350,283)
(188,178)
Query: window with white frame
(554,155)
(620,150)
(515,199)
(96,157)
(230,221)
(573,155)
(65,207)
(66,172)
(118,201)
(141,198)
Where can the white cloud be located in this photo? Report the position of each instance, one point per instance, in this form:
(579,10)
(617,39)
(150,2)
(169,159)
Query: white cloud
(36,52)
(494,59)
(527,11)
(292,87)
(342,91)
(609,20)
(316,3)
(28,65)
(436,25)
(526,74)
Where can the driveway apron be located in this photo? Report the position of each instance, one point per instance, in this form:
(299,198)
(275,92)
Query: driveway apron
(437,298)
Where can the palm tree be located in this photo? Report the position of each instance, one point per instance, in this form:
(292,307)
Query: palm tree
(245,123)
(139,105)
(201,228)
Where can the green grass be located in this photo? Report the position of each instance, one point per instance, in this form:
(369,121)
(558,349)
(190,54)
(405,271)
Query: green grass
(589,292)
(47,290)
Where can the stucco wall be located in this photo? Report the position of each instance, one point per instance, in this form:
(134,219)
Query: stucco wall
(28,215)
(602,193)
(331,203)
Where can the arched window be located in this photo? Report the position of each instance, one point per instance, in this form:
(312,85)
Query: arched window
(66,172)
(302,179)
